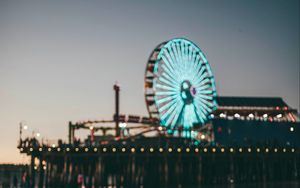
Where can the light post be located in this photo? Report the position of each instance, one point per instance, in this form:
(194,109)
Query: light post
(22,126)
(117,91)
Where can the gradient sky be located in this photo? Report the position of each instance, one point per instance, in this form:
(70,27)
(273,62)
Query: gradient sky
(59,59)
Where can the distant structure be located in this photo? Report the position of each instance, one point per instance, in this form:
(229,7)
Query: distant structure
(192,137)
(254,121)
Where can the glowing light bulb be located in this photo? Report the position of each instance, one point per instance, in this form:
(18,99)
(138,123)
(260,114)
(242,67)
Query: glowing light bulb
(236,115)
(202,136)
(123,125)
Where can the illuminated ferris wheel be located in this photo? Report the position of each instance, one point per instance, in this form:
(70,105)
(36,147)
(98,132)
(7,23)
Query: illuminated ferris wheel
(179,85)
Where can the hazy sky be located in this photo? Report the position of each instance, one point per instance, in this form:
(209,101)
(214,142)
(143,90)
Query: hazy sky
(59,59)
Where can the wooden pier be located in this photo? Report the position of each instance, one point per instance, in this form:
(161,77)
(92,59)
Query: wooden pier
(163,165)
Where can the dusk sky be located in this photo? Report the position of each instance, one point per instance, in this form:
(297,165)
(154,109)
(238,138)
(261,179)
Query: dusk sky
(60,59)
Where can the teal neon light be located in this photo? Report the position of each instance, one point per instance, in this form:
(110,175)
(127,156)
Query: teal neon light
(183,85)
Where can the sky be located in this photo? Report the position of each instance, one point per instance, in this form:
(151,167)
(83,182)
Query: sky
(59,59)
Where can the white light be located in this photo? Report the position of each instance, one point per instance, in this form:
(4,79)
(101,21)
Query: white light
(279,116)
(230,118)
(265,115)
(236,115)
(192,133)
(160,128)
(123,125)
(185,85)
(222,115)
(91,127)
(212,116)
(267,150)
(292,129)
(202,136)
(251,116)
(25,127)
(53,145)
(38,134)
(293,150)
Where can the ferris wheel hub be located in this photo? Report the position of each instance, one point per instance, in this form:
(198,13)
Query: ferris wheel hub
(187,92)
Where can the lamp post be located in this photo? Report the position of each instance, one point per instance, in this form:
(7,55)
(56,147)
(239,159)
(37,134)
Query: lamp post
(22,126)
(117,90)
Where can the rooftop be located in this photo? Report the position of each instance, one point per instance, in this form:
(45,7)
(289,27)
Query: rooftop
(251,101)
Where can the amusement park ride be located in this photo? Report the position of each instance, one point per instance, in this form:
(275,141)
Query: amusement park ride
(182,101)
(180,95)
(188,127)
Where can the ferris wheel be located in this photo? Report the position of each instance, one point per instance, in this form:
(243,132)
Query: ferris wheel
(179,85)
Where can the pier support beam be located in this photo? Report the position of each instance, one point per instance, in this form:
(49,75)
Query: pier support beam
(41,173)
(32,163)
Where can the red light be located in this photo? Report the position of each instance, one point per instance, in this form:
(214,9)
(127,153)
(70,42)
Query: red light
(277,108)
(219,129)
(104,142)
